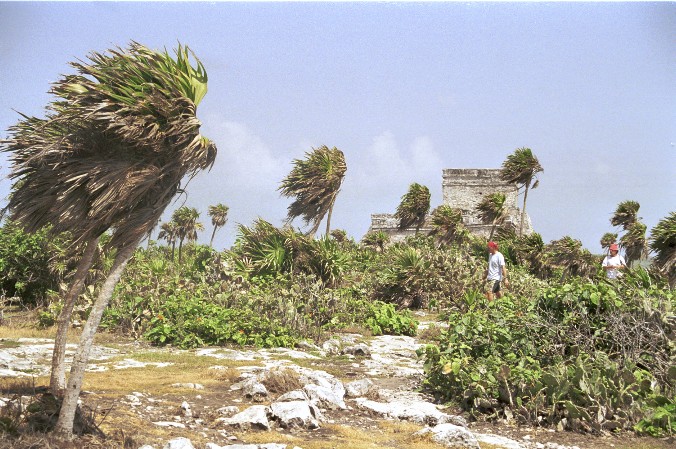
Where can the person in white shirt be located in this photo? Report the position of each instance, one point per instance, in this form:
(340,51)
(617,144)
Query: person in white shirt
(496,273)
(613,263)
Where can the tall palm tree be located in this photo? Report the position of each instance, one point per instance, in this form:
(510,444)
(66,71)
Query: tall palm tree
(314,182)
(169,232)
(492,210)
(187,226)
(634,239)
(110,155)
(521,168)
(414,206)
(219,216)
(634,242)
(447,225)
(663,244)
(625,214)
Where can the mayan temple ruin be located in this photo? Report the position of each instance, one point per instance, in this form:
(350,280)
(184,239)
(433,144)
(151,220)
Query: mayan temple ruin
(463,188)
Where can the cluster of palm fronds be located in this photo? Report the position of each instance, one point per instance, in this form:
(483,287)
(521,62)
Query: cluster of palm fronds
(265,250)
(114,147)
(315,182)
(414,206)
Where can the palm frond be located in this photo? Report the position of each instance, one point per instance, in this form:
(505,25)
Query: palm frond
(114,147)
(414,206)
(314,182)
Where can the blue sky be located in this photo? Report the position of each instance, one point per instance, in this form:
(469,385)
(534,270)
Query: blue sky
(404,89)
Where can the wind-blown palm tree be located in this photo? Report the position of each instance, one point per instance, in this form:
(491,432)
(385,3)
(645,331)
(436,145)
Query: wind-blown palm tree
(567,253)
(377,240)
(414,206)
(492,210)
(219,216)
(635,243)
(608,239)
(447,225)
(110,155)
(663,244)
(521,168)
(634,240)
(625,214)
(169,232)
(314,182)
(187,226)
(529,250)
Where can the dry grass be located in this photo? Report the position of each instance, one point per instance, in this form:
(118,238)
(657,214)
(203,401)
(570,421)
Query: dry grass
(386,435)
(185,367)
(431,334)
(282,380)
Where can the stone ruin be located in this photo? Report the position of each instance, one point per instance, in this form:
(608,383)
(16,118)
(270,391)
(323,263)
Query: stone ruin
(463,188)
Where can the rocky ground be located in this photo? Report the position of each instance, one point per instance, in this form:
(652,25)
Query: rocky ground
(272,395)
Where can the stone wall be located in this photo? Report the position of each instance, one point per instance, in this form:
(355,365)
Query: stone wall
(463,188)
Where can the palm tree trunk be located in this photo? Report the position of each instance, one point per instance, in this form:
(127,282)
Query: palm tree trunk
(328,218)
(173,251)
(523,211)
(180,251)
(490,237)
(57,381)
(211,242)
(313,231)
(64,426)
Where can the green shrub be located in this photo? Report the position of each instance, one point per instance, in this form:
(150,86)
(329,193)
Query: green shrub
(384,319)
(31,265)
(661,418)
(189,322)
(584,356)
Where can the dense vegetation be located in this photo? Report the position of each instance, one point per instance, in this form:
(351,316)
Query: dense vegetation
(564,347)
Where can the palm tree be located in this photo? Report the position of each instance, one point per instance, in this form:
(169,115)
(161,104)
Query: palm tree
(187,226)
(529,250)
(376,240)
(635,243)
(169,232)
(663,244)
(521,167)
(634,240)
(492,210)
(567,253)
(626,214)
(414,206)
(219,216)
(608,239)
(447,225)
(110,155)
(315,182)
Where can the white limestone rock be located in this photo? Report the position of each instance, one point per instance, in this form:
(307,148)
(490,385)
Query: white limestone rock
(295,414)
(179,443)
(255,417)
(450,435)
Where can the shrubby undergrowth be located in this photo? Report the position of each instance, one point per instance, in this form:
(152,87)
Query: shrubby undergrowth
(583,355)
(565,347)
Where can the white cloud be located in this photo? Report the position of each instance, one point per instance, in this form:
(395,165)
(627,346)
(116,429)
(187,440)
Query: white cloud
(244,159)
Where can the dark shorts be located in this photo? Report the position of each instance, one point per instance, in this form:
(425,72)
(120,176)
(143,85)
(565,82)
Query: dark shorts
(492,286)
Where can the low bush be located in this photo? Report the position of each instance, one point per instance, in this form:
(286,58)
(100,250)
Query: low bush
(584,356)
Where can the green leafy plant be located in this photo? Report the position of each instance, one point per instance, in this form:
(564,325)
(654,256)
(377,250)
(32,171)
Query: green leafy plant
(384,319)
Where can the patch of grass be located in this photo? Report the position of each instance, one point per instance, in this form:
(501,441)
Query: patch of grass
(282,380)
(387,435)
(430,334)
(15,332)
(186,367)
(7,344)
